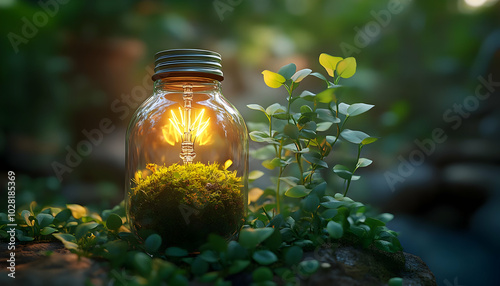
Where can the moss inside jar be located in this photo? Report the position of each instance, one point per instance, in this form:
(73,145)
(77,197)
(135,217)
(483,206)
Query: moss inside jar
(185,203)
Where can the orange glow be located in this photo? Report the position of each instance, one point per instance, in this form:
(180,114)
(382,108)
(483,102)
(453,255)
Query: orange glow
(173,130)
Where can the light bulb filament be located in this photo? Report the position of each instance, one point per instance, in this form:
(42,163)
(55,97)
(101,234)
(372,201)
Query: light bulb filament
(197,127)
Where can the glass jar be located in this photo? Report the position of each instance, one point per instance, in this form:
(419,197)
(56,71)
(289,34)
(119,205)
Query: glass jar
(186,154)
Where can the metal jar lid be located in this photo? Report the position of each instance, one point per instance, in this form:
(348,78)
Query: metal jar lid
(188,62)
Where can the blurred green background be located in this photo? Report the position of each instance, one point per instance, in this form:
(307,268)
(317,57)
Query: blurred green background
(67,65)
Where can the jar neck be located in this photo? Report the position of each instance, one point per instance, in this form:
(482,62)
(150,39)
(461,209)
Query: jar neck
(178,84)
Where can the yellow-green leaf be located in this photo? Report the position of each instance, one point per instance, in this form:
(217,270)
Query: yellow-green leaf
(273,79)
(329,63)
(347,67)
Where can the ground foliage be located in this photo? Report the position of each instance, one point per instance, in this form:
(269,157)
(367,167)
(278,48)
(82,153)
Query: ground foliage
(270,245)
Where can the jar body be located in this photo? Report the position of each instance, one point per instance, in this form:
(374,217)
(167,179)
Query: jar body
(186,164)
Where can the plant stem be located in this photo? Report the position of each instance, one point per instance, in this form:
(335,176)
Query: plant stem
(278,191)
(347,187)
(355,168)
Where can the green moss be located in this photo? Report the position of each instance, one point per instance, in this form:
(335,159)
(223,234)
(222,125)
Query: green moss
(185,203)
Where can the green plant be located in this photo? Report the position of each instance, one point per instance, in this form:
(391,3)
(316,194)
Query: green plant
(271,244)
(303,137)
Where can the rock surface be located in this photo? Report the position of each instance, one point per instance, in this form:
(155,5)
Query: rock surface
(52,264)
(49,263)
(350,266)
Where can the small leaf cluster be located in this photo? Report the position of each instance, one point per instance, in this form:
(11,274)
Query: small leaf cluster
(305,137)
(301,136)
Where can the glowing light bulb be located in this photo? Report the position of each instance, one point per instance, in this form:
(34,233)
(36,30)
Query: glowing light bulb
(182,125)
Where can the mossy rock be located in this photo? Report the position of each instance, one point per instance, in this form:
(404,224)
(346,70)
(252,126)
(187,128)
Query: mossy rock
(185,203)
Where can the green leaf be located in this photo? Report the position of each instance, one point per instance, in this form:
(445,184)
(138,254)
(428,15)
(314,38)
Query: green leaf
(262,274)
(395,281)
(63,215)
(305,109)
(343,107)
(334,229)
(282,116)
(384,245)
(211,277)
(359,230)
(307,95)
(329,63)
(300,75)
(308,267)
(363,162)
(21,237)
(310,203)
(274,242)
(47,230)
(44,219)
(116,249)
(259,136)
(272,79)
(114,222)
(254,175)
(275,108)
(323,126)
(385,217)
(152,243)
(236,251)
(176,252)
(292,147)
(293,255)
(352,136)
(373,222)
(330,213)
(346,68)
(291,181)
(217,242)
(333,204)
(264,153)
(84,228)
(209,256)
(276,162)
(256,107)
(326,96)
(342,171)
(142,263)
(368,140)
(250,237)
(237,266)
(315,160)
(67,239)
(358,108)
(298,191)
(199,266)
(25,214)
(77,210)
(264,257)
(322,77)
(327,116)
(287,71)
(292,131)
